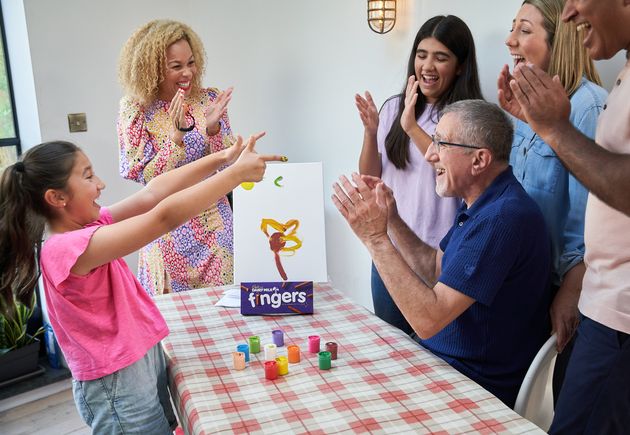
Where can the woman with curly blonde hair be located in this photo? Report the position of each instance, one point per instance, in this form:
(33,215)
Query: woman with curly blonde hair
(166,120)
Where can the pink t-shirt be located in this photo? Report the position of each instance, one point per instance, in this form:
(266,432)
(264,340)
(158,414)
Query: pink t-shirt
(104,321)
(429,216)
(605,294)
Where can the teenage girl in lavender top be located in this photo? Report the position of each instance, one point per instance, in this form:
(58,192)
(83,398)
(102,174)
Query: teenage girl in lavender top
(442,69)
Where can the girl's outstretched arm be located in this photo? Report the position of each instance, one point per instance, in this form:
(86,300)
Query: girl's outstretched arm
(175,180)
(182,200)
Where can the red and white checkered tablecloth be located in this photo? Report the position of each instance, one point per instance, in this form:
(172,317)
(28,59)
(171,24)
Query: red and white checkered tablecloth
(382,381)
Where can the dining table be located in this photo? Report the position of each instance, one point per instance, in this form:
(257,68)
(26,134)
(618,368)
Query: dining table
(382,381)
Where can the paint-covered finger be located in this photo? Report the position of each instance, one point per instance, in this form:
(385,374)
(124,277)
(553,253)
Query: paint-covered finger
(274,158)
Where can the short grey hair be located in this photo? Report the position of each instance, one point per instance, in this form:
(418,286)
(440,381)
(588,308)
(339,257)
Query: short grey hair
(483,124)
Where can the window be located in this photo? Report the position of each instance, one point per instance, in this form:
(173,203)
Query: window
(9,136)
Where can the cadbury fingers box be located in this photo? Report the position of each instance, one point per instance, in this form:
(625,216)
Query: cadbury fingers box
(284,297)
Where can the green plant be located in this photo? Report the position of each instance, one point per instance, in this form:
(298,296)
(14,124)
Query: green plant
(13,328)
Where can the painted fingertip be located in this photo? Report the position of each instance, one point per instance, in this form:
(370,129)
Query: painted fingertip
(284,159)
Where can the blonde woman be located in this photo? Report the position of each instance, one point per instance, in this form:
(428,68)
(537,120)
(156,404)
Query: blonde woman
(166,120)
(540,37)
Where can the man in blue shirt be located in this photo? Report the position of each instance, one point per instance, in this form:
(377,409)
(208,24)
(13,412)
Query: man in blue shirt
(480,302)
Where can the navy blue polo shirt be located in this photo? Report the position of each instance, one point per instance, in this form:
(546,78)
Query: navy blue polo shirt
(498,253)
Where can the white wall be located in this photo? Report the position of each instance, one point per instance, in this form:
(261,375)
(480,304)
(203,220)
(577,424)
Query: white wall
(295,65)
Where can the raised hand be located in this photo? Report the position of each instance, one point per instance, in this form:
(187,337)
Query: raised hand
(543,100)
(408,117)
(387,194)
(251,165)
(361,207)
(216,109)
(232,153)
(368,112)
(506,97)
(177,113)
(388,199)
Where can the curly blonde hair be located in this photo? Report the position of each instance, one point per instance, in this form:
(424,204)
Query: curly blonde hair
(142,61)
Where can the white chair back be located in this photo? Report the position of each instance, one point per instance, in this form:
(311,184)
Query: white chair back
(535,397)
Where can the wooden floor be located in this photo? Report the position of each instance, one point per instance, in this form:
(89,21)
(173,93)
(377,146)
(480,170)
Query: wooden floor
(54,414)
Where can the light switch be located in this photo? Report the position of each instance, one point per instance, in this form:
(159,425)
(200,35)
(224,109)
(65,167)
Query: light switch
(77,122)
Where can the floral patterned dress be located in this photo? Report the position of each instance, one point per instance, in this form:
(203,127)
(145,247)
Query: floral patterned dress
(200,252)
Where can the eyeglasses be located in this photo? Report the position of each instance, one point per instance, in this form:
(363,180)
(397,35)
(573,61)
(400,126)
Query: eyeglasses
(440,143)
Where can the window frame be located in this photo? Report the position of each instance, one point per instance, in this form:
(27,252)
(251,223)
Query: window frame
(11,141)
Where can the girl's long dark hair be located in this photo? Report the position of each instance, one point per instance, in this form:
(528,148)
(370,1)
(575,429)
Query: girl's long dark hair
(23,213)
(456,36)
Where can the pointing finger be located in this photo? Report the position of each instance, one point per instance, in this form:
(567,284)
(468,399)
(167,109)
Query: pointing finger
(273,158)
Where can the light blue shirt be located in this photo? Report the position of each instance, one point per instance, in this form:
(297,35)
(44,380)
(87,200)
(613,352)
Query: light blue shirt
(561,198)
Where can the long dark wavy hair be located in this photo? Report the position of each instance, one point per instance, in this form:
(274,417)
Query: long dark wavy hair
(23,214)
(456,36)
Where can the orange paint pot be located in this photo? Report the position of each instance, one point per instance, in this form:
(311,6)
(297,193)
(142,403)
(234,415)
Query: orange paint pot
(294,353)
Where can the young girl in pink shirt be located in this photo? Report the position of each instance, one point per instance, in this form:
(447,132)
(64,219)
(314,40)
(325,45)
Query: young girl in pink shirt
(107,326)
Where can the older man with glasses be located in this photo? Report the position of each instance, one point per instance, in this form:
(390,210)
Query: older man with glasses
(480,301)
